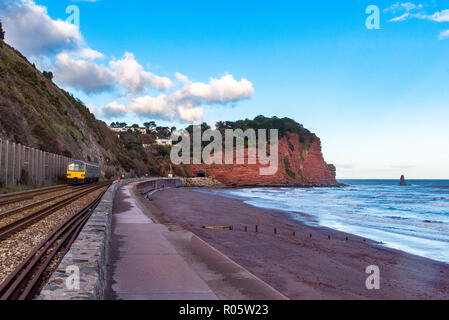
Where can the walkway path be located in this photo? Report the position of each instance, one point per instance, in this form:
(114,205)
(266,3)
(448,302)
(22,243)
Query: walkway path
(152,261)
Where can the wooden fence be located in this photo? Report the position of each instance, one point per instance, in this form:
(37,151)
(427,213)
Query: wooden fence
(42,168)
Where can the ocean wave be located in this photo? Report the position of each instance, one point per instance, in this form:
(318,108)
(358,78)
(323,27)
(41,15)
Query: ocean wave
(415,219)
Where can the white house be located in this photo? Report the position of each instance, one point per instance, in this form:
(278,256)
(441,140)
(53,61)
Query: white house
(164,141)
(125,129)
(119,130)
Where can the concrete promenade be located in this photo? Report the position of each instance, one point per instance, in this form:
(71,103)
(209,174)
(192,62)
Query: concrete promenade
(151,258)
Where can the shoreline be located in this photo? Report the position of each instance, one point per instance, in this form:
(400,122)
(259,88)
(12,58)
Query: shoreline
(328,265)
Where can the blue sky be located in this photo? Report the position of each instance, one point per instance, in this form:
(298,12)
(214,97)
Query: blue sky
(378,99)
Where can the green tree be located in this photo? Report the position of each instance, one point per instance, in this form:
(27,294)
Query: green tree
(48,75)
(163,132)
(150,125)
(2,33)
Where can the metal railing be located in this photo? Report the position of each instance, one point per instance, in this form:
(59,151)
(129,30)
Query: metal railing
(43,168)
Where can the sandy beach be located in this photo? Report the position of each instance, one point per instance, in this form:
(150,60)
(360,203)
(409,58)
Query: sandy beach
(315,263)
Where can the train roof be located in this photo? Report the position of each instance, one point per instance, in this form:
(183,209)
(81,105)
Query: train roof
(83,162)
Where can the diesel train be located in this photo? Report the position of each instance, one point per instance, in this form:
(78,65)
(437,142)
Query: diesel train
(80,172)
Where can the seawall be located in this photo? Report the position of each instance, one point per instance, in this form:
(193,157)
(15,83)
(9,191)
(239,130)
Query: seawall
(89,253)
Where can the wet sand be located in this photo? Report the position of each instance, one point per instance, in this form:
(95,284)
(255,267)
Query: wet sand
(315,263)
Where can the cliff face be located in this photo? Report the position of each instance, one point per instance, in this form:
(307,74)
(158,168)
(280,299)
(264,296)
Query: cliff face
(299,165)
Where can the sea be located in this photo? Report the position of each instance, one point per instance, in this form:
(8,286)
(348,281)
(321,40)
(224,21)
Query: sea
(414,218)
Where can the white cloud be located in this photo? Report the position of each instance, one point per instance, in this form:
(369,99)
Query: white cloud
(401,17)
(223,90)
(444,34)
(442,16)
(83,74)
(113,109)
(75,69)
(403,6)
(88,53)
(131,75)
(185,104)
(439,16)
(30,30)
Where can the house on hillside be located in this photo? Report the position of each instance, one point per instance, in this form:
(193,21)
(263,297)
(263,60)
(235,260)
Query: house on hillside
(141,130)
(125,129)
(119,129)
(164,141)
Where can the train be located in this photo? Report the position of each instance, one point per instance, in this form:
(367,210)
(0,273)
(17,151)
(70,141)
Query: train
(80,172)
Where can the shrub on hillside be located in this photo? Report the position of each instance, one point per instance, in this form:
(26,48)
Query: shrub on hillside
(2,34)
(48,75)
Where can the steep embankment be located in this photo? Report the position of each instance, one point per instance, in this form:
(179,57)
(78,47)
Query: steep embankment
(36,113)
(300,164)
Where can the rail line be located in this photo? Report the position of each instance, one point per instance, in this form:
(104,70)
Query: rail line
(20,224)
(40,202)
(27,195)
(24,282)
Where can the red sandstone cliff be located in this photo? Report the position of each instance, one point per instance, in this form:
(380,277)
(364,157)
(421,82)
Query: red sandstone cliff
(299,165)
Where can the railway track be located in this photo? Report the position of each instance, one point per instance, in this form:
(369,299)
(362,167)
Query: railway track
(25,281)
(38,203)
(21,223)
(28,195)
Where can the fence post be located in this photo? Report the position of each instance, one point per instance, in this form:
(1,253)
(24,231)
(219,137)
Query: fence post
(1,147)
(49,174)
(52,162)
(38,166)
(47,168)
(13,158)
(34,165)
(26,160)
(6,162)
(19,166)
(43,167)
(31,160)
(53,167)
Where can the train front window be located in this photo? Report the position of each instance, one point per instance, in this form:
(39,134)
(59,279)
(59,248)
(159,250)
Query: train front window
(76,167)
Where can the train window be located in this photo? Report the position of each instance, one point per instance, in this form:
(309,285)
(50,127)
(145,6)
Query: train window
(76,167)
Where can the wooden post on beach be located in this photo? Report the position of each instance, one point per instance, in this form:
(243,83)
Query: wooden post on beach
(294,233)
(257,228)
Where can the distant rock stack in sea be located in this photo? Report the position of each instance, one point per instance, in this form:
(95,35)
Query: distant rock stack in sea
(403,183)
